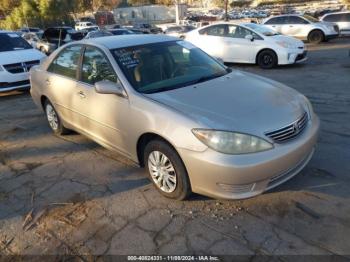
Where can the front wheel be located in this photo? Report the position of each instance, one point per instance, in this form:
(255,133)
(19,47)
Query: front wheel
(267,59)
(166,170)
(316,37)
(54,120)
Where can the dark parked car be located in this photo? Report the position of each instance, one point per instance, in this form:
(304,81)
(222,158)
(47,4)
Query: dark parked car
(121,32)
(54,37)
(179,31)
(148,28)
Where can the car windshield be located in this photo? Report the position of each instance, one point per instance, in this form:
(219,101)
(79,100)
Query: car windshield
(311,19)
(262,29)
(12,42)
(165,66)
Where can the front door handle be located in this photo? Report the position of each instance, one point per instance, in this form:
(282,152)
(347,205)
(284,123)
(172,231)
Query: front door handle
(81,94)
(48,83)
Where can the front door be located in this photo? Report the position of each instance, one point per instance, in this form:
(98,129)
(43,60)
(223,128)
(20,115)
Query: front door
(103,116)
(238,49)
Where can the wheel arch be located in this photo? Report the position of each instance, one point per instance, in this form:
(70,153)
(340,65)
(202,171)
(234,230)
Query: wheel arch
(144,139)
(316,29)
(265,49)
(43,99)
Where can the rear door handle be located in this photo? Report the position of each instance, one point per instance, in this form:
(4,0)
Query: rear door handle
(81,94)
(48,82)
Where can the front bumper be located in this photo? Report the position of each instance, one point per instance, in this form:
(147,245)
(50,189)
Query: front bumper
(242,176)
(293,56)
(331,36)
(10,82)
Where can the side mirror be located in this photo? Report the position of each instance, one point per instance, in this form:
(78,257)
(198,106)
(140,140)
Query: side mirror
(108,87)
(249,37)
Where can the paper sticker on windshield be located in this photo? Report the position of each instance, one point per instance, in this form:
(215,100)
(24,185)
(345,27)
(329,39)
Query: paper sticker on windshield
(186,45)
(127,58)
(13,35)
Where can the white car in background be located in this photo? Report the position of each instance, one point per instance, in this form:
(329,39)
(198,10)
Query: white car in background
(86,26)
(248,43)
(342,19)
(304,27)
(17,56)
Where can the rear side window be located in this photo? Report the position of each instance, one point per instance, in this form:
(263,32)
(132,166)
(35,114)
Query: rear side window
(96,67)
(296,20)
(277,21)
(215,30)
(66,63)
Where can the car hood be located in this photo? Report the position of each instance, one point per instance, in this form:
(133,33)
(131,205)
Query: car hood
(290,40)
(18,56)
(238,101)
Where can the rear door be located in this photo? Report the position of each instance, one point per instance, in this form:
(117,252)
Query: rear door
(276,23)
(211,40)
(295,26)
(61,83)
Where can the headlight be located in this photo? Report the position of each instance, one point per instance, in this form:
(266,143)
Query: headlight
(284,44)
(231,142)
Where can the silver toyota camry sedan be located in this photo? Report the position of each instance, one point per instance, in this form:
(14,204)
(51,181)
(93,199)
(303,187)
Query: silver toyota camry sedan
(195,125)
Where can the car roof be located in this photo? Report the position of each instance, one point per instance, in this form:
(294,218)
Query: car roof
(112,42)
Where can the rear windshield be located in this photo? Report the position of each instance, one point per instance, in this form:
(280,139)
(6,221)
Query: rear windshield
(12,42)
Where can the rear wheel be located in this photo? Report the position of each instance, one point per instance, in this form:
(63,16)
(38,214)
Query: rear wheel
(316,37)
(54,120)
(166,170)
(267,59)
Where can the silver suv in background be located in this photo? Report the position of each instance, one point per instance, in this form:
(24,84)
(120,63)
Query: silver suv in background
(304,27)
(342,19)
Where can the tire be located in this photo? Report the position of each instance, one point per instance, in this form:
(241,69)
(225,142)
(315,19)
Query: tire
(172,166)
(315,37)
(54,120)
(267,59)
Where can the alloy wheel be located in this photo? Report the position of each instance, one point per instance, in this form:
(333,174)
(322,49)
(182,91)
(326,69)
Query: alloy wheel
(52,117)
(162,171)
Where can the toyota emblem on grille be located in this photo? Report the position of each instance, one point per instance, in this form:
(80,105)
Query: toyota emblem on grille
(296,128)
(25,68)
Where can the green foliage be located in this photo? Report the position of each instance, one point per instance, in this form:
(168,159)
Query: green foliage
(44,13)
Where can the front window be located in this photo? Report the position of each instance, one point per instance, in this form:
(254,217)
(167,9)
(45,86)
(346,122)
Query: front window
(310,18)
(96,67)
(12,42)
(165,66)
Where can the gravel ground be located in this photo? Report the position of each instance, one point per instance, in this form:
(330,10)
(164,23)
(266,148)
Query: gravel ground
(68,195)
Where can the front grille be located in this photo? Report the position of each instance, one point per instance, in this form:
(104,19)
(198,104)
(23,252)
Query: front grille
(21,67)
(301,56)
(14,84)
(290,131)
(237,189)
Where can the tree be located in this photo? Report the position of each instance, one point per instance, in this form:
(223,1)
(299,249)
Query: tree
(6,6)
(141,2)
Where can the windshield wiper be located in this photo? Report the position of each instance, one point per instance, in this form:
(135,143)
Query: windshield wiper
(205,78)
(193,82)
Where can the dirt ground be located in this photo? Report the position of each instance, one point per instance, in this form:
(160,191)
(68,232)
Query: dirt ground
(68,195)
